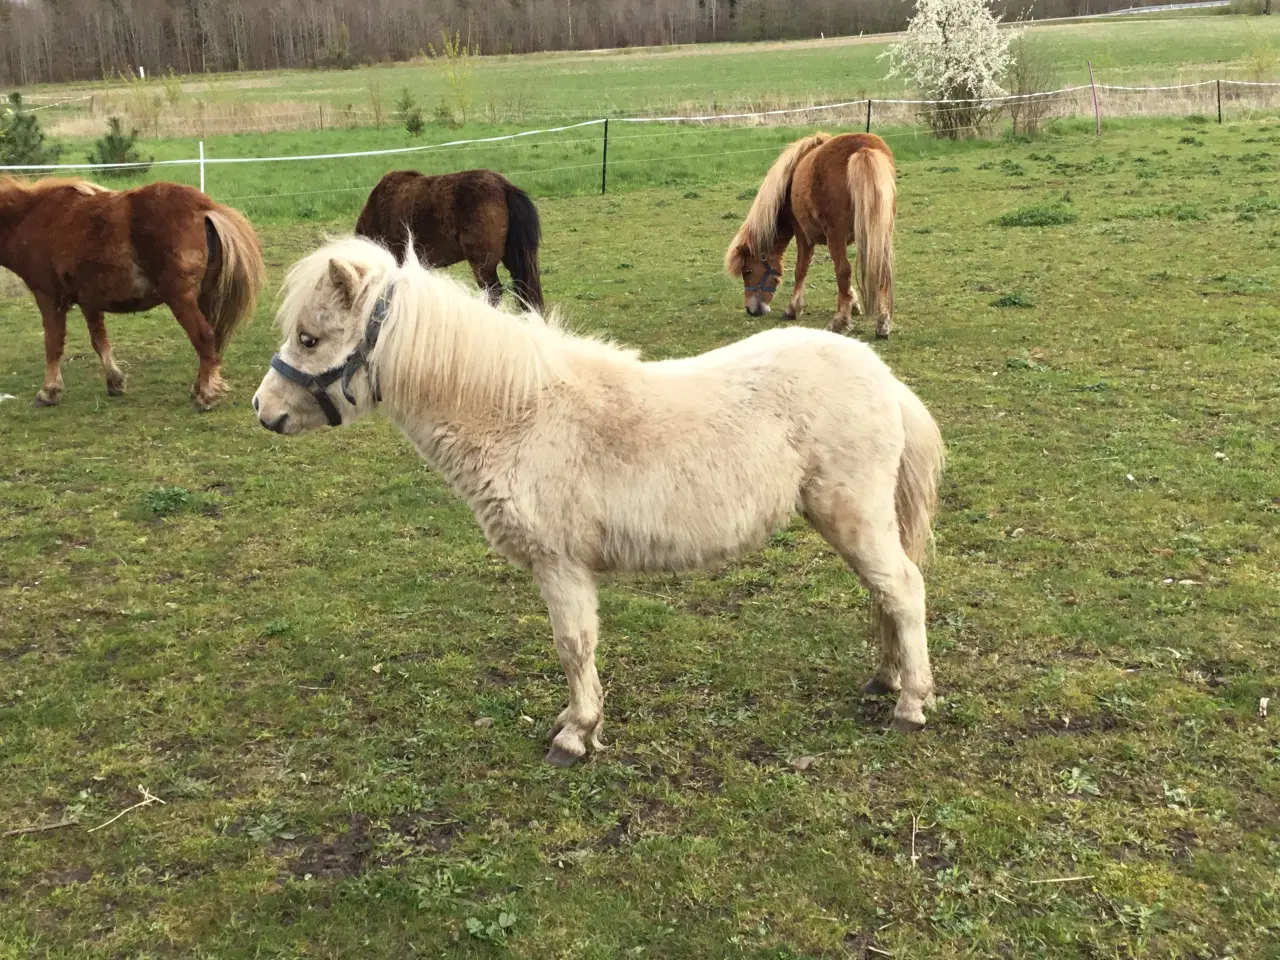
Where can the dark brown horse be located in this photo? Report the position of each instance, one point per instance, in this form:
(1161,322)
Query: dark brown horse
(822,190)
(476,215)
(74,243)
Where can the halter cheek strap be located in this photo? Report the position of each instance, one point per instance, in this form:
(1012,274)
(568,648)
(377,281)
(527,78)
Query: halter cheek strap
(318,384)
(762,286)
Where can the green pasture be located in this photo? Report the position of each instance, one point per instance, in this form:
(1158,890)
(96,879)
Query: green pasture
(305,649)
(544,87)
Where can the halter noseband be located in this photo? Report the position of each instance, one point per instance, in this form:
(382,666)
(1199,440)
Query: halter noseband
(768,272)
(318,384)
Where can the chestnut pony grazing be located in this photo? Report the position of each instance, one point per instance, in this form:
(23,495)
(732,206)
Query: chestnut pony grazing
(476,215)
(75,243)
(579,459)
(822,190)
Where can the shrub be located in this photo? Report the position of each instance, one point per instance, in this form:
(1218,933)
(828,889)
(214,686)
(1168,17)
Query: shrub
(119,147)
(21,139)
(459,64)
(1030,72)
(954,51)
(409,113)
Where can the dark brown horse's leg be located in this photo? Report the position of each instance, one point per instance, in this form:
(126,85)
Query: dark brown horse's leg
(804,257)
(844,284)
(209,386)
(98,335)
(55,337)
(487,278)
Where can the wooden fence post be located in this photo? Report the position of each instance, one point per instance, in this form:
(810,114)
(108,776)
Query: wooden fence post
(1097,115)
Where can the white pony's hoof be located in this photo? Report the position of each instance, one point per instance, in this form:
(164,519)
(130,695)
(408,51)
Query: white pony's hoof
(875,687)
(559,756)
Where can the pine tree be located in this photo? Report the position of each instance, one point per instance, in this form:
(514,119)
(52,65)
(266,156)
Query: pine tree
(119,147)
(21,139)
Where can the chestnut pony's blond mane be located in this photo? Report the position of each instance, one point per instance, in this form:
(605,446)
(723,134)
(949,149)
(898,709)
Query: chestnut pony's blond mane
(759,231)
(51,183)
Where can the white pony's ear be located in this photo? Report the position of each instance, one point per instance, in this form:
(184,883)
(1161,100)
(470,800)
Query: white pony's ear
(346,278)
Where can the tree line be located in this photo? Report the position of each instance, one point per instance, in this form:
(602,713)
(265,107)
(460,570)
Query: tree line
(45,41)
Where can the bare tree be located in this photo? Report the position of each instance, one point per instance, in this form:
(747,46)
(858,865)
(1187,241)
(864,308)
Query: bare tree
(57,40)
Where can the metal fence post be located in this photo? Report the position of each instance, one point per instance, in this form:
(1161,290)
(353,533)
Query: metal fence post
(604,160)
(1219,101)
(202,166)
(868,114)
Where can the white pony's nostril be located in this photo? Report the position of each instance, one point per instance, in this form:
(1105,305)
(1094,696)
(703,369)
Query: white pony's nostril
(256,403)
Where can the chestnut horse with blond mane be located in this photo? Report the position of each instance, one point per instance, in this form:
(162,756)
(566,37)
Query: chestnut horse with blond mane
(74,243)
(822,190)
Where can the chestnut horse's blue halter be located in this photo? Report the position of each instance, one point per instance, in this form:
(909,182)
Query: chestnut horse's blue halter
(762,285)
(317,384)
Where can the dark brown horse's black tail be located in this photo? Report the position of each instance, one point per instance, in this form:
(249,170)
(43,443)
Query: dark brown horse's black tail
(520,255)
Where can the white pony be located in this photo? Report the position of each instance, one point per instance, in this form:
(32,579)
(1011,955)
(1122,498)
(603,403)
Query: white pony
(578,459)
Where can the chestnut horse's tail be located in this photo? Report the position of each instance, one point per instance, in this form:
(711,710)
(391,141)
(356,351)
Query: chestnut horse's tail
(229,301)
(874,194)
(520,253)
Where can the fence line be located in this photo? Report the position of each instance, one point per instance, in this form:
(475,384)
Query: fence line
(203,161)
(59,103)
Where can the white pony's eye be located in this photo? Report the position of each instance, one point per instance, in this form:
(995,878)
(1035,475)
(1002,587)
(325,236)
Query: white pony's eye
(307,340)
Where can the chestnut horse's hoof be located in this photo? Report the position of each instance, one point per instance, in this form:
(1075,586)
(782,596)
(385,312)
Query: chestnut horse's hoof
(558,756)
(206,398)
(875,687)
(47,399)
(115,388)
(839,324)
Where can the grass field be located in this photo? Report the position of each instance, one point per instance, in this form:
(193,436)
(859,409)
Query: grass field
(547,87)
(290,641)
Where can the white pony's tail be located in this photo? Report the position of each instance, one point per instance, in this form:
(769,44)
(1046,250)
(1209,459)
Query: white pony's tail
(760,229)
(915,498)
(874,193)
(919,471)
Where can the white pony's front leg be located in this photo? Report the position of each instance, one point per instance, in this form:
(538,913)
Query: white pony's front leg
(570,593)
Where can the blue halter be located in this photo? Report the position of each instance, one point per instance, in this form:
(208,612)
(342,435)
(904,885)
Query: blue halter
(768,273)
(318,384)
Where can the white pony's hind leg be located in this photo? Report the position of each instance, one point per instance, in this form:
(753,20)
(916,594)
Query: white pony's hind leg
(888,676)
(570,593)
(863,529)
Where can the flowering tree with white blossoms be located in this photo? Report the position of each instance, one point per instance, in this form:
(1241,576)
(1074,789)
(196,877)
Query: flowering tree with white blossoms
(953,51)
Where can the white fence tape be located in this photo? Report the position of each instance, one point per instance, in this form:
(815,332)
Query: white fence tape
(710,118)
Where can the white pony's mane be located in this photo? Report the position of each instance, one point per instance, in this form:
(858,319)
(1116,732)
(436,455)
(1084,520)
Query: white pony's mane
(443,344)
